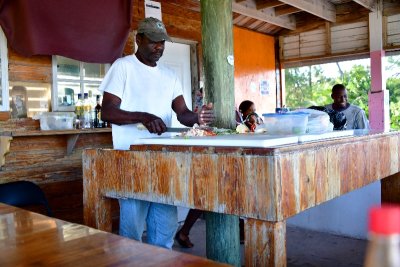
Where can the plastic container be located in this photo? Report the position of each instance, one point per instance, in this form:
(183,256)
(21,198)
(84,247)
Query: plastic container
(57,121)
(383,248)
(285,123)
(318,121)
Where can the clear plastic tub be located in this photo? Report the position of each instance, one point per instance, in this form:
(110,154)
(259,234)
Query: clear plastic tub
(286,123)
(57,121)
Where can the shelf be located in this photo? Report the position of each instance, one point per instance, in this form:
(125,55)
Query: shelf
(72,136)
(56,132)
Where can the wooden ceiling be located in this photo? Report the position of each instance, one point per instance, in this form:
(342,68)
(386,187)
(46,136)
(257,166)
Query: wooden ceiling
(274,17)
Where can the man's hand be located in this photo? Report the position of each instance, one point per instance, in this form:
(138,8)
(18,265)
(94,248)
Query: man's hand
(206,114)
(154,124)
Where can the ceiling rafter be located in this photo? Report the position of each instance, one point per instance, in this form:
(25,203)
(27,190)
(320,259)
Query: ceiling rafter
(283,21)
(286,10)
(369,4)
(320,8)
(269,4)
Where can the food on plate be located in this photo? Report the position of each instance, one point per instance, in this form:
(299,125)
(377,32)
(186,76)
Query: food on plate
(197,130)
(242,128)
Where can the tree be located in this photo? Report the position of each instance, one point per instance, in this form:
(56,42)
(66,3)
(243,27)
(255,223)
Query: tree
(306,86)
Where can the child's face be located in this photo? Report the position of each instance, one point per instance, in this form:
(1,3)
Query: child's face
(251,109)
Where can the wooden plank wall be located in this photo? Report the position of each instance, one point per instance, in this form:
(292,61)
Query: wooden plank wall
(44,160)
(334,40)
(393,32)
(350,37)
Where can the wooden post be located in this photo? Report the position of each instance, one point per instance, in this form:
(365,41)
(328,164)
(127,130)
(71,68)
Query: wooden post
(216,22)
(217,42)
(222,238)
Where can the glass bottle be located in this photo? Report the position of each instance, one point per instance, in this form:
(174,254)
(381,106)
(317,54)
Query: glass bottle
(87,118)
(79,112)
(383,248)
(92,100)
(98,123)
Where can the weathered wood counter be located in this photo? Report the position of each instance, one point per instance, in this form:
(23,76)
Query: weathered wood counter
(264,185)
(53,160)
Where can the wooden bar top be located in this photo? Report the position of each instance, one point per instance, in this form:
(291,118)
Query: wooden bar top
(31,239)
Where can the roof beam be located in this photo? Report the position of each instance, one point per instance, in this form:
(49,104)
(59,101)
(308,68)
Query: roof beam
(320,8)
(369,4)
(286,10)
(284,21)
(269,4)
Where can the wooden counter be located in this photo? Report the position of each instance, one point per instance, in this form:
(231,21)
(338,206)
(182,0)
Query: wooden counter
(31,239)
(53,160)
(264,185)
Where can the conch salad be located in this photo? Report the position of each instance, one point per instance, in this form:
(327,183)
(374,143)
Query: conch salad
(196,130)
(242,128)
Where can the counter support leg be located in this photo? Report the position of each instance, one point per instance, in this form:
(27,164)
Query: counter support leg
(96,207)
(390,189)
(222,238)
(265,243)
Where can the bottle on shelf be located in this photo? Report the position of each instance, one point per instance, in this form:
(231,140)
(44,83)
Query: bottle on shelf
(87,108)
(79,112)
(383,248)
(92,100)
(98,123)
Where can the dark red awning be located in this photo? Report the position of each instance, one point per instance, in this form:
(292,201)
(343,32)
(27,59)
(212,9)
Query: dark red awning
(86,30)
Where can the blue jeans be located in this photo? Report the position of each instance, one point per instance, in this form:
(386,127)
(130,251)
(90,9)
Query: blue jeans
(161,219)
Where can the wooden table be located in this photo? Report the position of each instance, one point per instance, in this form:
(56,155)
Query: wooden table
(31,239)
(264,185)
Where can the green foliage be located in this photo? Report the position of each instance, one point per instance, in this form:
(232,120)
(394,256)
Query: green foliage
(307,86)
(393,85)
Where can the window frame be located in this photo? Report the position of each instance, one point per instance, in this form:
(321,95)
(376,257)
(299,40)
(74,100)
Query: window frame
(81,81)
(5,105)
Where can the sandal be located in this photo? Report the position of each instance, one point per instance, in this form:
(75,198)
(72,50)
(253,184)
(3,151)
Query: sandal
(183,243)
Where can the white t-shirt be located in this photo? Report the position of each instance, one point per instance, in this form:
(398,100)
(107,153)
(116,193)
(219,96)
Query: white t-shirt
(355,117)
(141,88)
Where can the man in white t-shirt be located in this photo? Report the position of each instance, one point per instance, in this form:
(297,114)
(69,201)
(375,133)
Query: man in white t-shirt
(137,90)
(355,116)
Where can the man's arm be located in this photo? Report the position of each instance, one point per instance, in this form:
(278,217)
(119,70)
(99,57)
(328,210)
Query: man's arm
(361,121)
(111,112)
(189,118)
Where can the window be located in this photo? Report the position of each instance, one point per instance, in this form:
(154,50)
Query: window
(312,85)
(72,77)
(4,104)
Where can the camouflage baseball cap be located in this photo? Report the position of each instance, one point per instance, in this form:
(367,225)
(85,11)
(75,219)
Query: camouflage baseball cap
(154,29)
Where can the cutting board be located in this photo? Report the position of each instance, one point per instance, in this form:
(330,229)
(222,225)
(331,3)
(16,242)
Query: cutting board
(235,140)
(242,140)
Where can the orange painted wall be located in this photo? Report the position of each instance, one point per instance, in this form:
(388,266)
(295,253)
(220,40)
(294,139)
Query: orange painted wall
(254,55)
